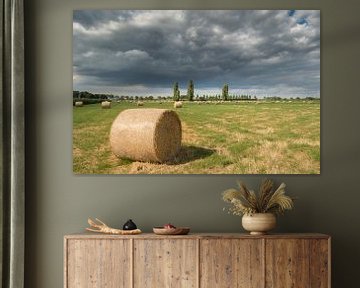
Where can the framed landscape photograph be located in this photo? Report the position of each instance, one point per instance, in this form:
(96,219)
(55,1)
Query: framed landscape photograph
(196,92)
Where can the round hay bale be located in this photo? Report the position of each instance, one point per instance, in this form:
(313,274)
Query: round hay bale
(79,104)
(140,103)
(178,104)
(106,105)
(150,135)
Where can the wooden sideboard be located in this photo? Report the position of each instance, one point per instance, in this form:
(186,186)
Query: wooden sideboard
(197,260)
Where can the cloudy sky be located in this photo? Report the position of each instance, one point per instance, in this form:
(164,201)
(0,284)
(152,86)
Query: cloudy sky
(143,52)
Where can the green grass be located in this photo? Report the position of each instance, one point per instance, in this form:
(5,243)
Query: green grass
(244,138)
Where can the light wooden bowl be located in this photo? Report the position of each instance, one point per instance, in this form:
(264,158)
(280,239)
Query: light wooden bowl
(171,231)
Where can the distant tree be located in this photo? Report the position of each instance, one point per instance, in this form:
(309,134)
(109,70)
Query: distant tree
(225,92)
(176,94)
(190,91)
(76,94)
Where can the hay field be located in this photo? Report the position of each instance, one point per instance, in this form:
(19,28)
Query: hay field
(228,138)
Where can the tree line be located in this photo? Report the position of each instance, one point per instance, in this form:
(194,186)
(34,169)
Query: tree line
(92,98)
(225,96)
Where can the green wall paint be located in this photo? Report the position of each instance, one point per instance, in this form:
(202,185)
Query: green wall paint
(59,202)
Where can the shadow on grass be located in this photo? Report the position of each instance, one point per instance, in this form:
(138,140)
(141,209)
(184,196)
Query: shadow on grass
(191,153)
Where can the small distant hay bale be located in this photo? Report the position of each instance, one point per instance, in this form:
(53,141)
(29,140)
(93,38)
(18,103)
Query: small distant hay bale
(178,104)
(150,135)
(106,105)
(79,104)
(140,103)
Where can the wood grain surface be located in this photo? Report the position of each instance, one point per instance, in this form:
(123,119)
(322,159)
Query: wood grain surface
(287,263)
(197,260)
(320,263)
(231,263)
(98,263)
(165,263)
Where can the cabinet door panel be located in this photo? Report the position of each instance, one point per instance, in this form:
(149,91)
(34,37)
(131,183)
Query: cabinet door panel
(165,263)
(287,263)
(98,264)
(231,263)
(319,263)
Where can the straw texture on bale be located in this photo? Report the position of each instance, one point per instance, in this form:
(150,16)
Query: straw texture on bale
(150,135)
(106,105)
(79,104)
(178,104)
(140,103)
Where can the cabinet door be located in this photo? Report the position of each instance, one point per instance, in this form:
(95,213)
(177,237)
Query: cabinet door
(287,263)
(98,263)
(231,263)
(320,263)
(165,263)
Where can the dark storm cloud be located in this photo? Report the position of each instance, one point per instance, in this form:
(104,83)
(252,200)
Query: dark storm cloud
(258,50)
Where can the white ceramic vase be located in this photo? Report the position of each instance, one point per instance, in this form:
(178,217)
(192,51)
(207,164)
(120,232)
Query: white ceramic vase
(259,223)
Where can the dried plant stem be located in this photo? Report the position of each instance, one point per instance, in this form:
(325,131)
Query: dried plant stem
(101,227)
(245,201)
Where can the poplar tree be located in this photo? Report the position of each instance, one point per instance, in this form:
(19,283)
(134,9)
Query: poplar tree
(176,94)
(190,91)
(225,92)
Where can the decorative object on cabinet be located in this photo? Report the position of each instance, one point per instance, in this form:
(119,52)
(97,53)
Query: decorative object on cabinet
(258,210)
(129,225)
(101,227)
(171,231)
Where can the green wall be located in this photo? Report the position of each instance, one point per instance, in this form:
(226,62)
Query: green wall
(59,203)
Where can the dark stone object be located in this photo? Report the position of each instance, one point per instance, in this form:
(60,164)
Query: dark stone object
(129,225)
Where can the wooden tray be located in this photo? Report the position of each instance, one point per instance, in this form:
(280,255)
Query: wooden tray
(171,231)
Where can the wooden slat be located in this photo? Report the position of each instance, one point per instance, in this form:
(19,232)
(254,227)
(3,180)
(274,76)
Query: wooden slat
(198,263)
(88,235)
(65,262)
(319,263)
(287,263)
(98,263)
(231,263)
(165,263)
(132,272)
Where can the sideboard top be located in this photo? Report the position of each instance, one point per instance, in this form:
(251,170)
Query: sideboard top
(88,235)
